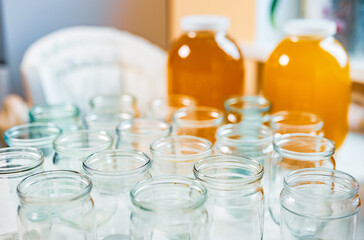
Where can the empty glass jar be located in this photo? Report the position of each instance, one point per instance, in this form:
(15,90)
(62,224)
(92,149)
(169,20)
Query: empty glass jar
(296,122)
(168,207)
(125,103)
(113,174)
(38,135)
(56,205)
(176,155)
(235,198)
(139,133)
(292,152)
(197,121)
(15,164)
(319,204)
(164,109)
(253,109)
(65,115)
(72,148)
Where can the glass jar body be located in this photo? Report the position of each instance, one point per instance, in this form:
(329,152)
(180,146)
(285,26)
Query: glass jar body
(302,73)
(319,204)
(206,65)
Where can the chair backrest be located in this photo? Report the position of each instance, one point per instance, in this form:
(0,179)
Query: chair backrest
(77,63)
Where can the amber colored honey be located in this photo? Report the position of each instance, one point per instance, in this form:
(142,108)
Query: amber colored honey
(311,74)
(207,66)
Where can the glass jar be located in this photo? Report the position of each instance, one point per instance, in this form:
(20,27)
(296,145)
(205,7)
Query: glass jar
(73,148)
(292,152)
(65,115)
(176,155)
(235,198)
(309,71)
(113,174)
(140,133)
(56,205)
(124,103)
(296,122)
(252,109)
(15,164)
(197,121)
(319,204)
(168,207)
(164,109)
(38,135)
(105,121)
(205,63)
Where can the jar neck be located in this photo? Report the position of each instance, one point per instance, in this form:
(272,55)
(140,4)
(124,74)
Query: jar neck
(310,192)
(51,112)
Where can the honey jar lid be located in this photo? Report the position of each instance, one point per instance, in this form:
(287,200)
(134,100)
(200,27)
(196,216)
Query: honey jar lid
(205,22)
(310,27)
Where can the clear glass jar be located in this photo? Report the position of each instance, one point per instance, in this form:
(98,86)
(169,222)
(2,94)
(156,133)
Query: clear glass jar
(140,133)
(292,152)
(176,155)
(15,164)
(235,198)
(296,122)
(164,109)
(319,204)
(125,103)
(65,115)
(73,148)
(113,174)
(197,121)
(253,109)
(168,207)
(205,62)
(56,205)
(38,135)
(105,120)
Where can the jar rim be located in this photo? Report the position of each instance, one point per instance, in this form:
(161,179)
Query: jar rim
(12,136)
(42,112)
(165,128)
(107,141)
(174,181)
(31,183)
(251,103)
(215,115)
(207,145)
(26,152)
(181,98)
(278,146)
(145,163)
(316,124)
(264,134)
(233,180)
(96,100)
(96,115)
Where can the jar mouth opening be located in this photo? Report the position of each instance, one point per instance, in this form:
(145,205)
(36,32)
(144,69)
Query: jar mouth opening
(173,101)
(296,121)
(54,187)
(181,148)
(237,134)
(169,194)
(140,127)
(15,160)
(112,100)
(302,145)
(82,141)
(51,112)
(32,134)
(117,163)
(228,172)
(248,104)
(198,117)
(97,116)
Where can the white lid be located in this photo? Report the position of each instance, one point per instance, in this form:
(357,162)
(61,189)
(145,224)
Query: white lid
(309,27)
(205,22)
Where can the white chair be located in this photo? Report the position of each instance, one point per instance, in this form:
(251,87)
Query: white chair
(77,63)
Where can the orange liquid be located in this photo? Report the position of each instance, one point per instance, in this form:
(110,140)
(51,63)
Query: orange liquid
(311,74)
(207,66)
